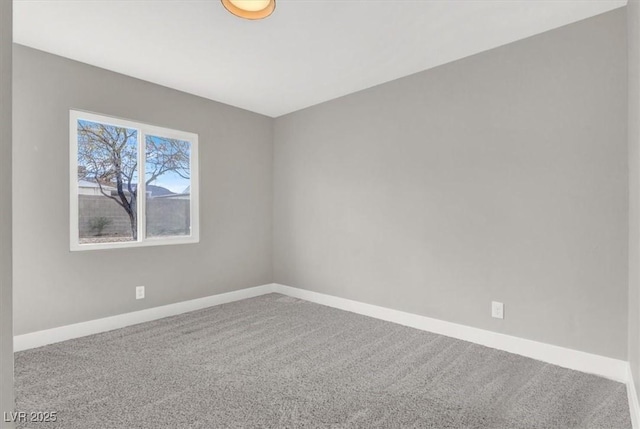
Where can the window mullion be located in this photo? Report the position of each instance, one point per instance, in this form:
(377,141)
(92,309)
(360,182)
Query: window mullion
(142,188)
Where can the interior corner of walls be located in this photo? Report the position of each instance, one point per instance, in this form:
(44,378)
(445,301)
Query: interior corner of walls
(7,402)
(632,396)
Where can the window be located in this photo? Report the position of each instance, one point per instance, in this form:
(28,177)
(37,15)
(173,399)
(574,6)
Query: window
(132,184)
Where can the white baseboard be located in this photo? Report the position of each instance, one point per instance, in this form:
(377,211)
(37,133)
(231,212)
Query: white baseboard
(632,395)
(573,359)
(603,366)
(62,333)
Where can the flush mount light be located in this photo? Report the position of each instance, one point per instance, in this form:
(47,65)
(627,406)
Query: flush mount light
(250,9)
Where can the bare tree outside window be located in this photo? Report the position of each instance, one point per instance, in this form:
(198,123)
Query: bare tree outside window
(108,157)
(108,163)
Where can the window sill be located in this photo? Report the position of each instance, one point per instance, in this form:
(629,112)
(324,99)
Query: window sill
(148,242)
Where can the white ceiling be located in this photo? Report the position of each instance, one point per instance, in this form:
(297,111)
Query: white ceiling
(307,52)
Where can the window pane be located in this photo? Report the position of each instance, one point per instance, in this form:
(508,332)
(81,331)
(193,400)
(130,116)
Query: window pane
(168,186)
(107,181)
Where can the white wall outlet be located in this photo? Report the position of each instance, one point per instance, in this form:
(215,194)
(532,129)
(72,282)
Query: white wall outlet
(139,292)
(497,310)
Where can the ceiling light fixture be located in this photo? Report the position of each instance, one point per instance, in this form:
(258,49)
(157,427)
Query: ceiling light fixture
(250,9)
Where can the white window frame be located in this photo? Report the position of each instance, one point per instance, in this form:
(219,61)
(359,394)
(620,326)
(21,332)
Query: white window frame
(143,130)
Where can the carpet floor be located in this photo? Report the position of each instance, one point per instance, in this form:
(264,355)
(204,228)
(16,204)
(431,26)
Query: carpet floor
(279,362)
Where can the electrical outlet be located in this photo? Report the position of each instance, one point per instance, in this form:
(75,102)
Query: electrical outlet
(497,310)
(139,292)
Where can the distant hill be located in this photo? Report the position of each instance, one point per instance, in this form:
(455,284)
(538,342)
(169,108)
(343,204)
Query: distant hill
(158,191)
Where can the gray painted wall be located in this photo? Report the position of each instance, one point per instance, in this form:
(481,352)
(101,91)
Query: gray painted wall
(633,31)
(502,176)
(62,287)
(6,329)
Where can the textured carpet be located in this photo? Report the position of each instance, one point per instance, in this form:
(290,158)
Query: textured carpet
(276,362)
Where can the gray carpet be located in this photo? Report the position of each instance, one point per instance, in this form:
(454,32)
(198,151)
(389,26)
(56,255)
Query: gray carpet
(276,362)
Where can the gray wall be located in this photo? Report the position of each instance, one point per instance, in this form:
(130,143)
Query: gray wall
(6,334)
(62,287)
(633,31)
(502,176)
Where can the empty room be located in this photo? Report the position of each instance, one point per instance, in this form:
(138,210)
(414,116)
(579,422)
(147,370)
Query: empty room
(319,214)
